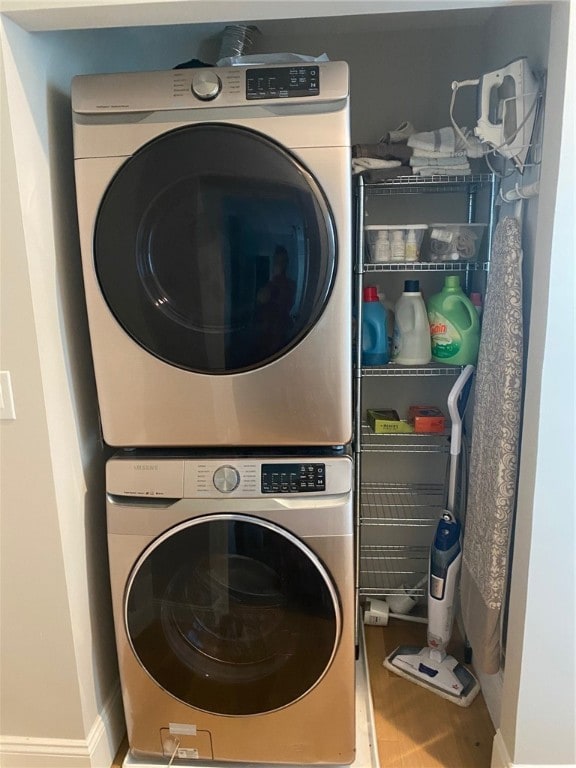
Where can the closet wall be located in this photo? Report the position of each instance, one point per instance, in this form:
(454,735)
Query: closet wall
(56,624)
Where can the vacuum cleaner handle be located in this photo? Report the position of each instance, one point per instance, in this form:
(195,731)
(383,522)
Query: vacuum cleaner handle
(456,408)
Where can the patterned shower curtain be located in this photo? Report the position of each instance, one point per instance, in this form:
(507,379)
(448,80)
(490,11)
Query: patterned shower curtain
(494,450)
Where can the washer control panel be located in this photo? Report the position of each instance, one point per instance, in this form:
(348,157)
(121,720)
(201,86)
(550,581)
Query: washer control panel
(231,477)
(293,478)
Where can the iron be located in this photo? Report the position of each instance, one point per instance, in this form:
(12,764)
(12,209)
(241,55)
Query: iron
(507,108)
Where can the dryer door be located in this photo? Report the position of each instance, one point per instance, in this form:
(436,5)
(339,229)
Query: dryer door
(232,615)
(215,249)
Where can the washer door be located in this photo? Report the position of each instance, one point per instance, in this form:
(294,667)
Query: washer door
(215,249)
(232,615)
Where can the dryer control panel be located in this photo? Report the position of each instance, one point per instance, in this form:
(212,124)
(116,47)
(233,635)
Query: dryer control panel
(293,478)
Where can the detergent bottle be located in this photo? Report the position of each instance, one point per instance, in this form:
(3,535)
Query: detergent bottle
(375,349)
(390,309)
(411,343)
(454,325)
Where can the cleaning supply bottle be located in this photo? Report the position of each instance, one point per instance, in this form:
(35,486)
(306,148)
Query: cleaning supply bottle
(398,248)
(389,307)
(454,325)
(375,349)
(411,246)
(411,345)
(476,299)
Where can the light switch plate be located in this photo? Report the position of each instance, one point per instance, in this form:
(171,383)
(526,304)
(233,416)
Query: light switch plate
(7,410)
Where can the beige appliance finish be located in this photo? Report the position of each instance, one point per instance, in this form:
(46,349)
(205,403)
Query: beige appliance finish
(299,395)
(275,703)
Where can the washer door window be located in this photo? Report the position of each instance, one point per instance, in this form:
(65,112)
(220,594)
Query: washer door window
(215,249)
(232,615)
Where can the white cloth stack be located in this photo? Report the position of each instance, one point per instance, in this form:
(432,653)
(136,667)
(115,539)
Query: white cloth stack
(442,153)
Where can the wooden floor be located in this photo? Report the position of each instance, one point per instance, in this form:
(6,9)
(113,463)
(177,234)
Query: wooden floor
(416,728)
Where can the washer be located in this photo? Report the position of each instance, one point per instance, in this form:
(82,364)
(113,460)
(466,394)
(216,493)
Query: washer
(215,229)
(233,595)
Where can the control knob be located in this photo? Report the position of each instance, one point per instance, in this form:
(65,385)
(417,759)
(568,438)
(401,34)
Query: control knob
(206,85)
(226,479)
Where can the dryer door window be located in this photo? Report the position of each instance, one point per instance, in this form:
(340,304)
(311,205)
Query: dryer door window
(215,249)
(232,615)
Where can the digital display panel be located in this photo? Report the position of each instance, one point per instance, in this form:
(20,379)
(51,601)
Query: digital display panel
(293,478)
(282,82)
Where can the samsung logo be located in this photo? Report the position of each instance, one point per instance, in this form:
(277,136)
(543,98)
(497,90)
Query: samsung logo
(146,467)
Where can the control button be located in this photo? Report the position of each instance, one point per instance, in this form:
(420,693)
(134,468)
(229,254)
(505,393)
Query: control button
(226,479)
(206,84)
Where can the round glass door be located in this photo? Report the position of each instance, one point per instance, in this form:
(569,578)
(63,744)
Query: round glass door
(215,249)
(232,615)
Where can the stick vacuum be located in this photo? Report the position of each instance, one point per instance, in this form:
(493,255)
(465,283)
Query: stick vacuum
(431,667)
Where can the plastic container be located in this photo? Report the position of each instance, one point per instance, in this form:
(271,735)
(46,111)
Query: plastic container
(390,309)
(476,299)
(454,325)
(381,250)
(411,345)
(411,251)
(375,349)
(453,242)
(398,246)
(381,239)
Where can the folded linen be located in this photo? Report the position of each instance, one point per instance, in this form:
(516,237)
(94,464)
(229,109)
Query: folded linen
(441,140)
(360,164)
(437,170)
(416,160)
(445,141)
(383,174)
(384,150)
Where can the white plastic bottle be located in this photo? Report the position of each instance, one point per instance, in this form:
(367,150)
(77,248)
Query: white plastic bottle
(411,246)
(389,306)
(397,245)
(411,344)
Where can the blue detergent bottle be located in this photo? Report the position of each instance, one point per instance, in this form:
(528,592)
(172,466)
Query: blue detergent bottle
(375,348)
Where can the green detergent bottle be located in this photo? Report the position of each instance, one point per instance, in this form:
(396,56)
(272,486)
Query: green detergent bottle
(454,325)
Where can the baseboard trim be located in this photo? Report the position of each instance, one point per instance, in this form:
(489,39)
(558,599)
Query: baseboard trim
(502,759)
(492,686)
(96,751)
(500,756)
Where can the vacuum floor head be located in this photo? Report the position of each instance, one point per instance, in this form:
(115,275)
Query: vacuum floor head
(435,670)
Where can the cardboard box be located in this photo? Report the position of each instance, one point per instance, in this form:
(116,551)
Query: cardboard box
(426,418)
(386,421)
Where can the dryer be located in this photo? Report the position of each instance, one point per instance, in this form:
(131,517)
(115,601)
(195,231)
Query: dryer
(233,596)
(214,211)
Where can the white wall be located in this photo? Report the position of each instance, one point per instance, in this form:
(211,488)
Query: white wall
(539,698)
(46,345)
(36,635)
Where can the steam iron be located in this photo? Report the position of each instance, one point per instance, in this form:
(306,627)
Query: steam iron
(507,108)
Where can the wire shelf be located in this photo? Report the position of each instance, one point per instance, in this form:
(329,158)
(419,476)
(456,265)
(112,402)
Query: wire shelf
(424,266)
(408,443)
(393,369)
(401,504)
(387,570)
(414,185)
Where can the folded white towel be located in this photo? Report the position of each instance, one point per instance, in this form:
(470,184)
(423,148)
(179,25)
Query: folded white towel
(419,160)
(441,140)
(360,164)
(451,170)
(430,153)
(445,141)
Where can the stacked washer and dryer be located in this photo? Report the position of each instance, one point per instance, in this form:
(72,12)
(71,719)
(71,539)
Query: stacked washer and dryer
(214,213)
